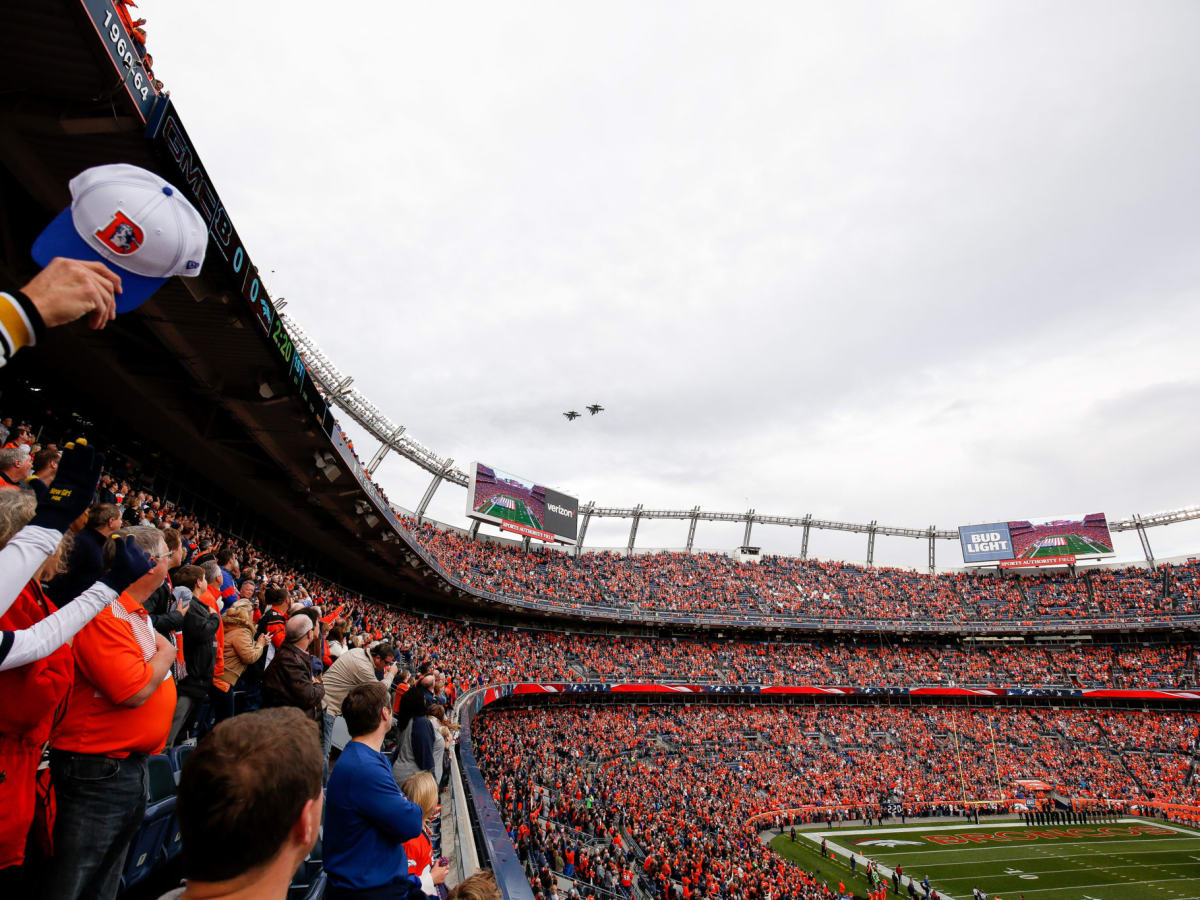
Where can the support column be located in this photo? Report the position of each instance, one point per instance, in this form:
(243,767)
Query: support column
(525,545)
(431,490)
(637,515)
(804,540)
(383,449)
(871,543)
(692,528)
(473,532)
(583,525)
(1144,538)
(932,549)
(749,526)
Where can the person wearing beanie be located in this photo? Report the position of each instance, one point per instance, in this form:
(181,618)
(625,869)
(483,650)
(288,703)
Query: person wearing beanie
(289,680)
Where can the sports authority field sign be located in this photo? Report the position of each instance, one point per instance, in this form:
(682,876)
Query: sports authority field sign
(1068,560)
(527,531)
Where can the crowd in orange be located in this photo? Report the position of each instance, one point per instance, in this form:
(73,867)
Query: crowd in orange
(669,790)
(781,586)
(480,654)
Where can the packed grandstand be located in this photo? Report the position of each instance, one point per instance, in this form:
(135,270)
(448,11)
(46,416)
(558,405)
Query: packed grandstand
(600,725)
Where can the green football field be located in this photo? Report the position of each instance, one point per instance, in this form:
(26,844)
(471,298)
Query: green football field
(1075,546)
(1134,859)
(521,515)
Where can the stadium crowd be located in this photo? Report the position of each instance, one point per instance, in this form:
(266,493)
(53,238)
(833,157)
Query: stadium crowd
(792,588)
(134,626)
(665,794)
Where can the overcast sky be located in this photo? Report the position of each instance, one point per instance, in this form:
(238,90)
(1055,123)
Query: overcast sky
(912,262)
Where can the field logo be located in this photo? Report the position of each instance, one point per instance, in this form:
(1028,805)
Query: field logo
(1043,834)
(890,843)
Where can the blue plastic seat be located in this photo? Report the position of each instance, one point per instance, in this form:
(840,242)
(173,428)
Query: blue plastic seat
(313,891)
(178,756)
(149,845)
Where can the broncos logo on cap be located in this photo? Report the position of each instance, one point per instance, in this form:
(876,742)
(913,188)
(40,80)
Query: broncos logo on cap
(121,235)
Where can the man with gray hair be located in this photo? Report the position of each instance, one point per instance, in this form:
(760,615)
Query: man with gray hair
(15,466)
(289,680)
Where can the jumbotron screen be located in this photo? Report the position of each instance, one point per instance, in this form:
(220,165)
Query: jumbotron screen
(1055,539)
(521,506)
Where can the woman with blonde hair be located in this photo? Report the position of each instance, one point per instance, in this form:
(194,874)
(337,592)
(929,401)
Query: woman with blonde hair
(422,790)
(241,647)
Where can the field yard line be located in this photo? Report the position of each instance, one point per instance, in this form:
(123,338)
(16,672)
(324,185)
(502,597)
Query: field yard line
(957,848)
(974,862)
(999,826)
(1107,884)
(1179,828)
(842,851)
(1077,871)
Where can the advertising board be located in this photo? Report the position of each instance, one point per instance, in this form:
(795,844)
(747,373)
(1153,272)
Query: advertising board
(1052,540)
(521,506)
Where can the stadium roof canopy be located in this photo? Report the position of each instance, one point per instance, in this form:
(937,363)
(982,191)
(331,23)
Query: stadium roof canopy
(191,369)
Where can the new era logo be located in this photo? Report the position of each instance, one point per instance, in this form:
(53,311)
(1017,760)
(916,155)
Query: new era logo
(121,235)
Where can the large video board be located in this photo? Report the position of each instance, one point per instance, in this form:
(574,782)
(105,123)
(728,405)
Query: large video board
(521,506)
(1046,541)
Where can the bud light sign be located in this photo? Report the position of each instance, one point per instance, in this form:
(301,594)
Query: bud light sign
(985,543)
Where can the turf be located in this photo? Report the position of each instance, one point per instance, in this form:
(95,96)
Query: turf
(808,857)
(1075,546)
(521,515)
(1130,860)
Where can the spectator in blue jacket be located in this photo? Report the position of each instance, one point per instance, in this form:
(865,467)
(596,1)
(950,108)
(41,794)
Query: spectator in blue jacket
(229,572)
(367,817)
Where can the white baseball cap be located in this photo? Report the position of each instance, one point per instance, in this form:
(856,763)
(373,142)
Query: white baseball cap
(134,222)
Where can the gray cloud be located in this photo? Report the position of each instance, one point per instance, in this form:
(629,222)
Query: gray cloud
(919,262)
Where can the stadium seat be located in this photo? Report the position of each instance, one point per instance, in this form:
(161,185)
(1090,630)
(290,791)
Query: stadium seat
(178,757)
(313,891)
(151,844)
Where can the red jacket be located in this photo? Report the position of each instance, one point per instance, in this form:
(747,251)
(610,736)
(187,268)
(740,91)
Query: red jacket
(32,695)
(212,599)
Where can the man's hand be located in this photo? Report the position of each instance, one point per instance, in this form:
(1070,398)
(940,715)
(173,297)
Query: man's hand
(182,604)
(263,639)
(392,670)
(163,644)
(70,494)
(439,871)
(70,288)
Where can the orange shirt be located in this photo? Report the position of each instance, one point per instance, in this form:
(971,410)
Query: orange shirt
(112,663)
(401,689)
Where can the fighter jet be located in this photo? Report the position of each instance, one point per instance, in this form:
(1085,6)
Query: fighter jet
(572,415)
(594,408)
